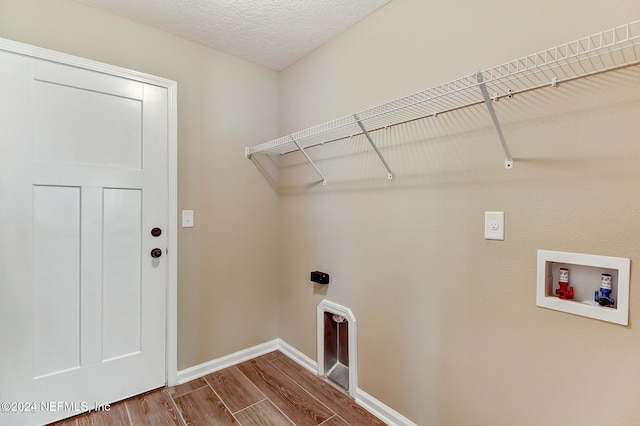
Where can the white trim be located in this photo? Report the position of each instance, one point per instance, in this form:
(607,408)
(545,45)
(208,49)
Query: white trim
(334,308)
(172,237)
(76,61)
(381,411)
(172,159)
(209,367)
(298,356)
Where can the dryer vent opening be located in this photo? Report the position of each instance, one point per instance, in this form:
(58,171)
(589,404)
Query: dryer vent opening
(336,345)
(336,349)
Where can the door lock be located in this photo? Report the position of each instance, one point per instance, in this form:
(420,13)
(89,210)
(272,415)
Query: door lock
(156,252)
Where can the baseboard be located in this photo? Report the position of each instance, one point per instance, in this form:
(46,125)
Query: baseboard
(209,367)
(380,410)
(298,356)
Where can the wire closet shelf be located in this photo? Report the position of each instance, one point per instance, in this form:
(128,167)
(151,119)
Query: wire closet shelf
(607,50)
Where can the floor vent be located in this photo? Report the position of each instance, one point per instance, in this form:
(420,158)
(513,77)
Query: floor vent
(337,345)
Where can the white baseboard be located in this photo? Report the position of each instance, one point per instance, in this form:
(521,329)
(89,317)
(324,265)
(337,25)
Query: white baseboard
(298,357)
(209,367)
(380,410)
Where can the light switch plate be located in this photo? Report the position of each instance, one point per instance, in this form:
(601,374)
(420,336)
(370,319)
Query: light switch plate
(187,218)
(494,226)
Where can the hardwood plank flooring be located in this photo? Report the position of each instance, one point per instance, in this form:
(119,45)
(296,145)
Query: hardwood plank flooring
(341,403)
(203,407)
(154,408)
(296,403)
(270,390)
(234,388)
(264,413)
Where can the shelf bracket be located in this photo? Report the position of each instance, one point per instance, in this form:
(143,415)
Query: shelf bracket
(324,180)
(374,146)
(508,162)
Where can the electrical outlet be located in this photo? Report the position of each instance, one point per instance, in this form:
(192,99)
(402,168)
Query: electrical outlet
(494,226)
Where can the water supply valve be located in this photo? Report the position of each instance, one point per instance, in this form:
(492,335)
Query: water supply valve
(564,292)
(604,298)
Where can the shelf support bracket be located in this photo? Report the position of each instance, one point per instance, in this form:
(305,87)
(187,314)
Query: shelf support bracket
(374,146)
(324,180)
(508,162)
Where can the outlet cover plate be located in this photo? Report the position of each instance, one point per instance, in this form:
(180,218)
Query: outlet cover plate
(494,226)
(187,218)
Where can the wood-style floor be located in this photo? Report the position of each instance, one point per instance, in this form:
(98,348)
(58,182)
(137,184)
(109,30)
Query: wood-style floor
(268,390)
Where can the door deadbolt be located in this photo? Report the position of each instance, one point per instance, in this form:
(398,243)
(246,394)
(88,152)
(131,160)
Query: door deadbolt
(156,232)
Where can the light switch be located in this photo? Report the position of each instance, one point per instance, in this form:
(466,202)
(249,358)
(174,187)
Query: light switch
(187,218)
(494,226)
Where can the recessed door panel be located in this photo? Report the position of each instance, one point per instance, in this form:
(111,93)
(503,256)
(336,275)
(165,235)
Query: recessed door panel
(122,272)
(89,127)
(56,278)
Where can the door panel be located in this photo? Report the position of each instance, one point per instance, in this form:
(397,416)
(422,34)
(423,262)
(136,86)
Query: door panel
(122,272)
(87,128)
(81,78)
(56,278)
(83,180)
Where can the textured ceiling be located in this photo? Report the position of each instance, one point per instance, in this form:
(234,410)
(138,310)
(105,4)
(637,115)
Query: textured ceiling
(273,33)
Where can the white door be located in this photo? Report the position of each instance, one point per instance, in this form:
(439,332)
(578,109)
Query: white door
(83,181)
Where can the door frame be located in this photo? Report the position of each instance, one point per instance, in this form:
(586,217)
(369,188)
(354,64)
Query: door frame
(171,342)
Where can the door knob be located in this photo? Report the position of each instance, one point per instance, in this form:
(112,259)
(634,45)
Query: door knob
(156,252)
